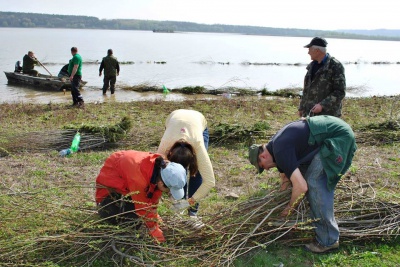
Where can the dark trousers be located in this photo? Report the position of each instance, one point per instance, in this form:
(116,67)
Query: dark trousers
(118,209)
(109,81)
(76,94)
(31,72)
(196,181)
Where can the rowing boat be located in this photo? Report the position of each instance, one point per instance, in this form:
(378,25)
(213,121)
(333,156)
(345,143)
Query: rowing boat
(42,81)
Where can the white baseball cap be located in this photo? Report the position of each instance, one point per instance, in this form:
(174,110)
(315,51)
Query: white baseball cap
(174,177)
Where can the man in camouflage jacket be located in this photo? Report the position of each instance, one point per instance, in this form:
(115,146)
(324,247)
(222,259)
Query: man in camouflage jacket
(324,83)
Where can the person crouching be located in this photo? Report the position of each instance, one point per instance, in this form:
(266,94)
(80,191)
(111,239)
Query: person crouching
(130,184)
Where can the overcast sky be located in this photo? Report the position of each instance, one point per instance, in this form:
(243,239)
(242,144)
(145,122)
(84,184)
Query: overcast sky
(302,14)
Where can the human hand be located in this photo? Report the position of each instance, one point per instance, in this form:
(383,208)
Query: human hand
(179,205)
(191,201)
(157,234)
(317,108)
(159,219)
(286,212)
(300,113)
(285,185)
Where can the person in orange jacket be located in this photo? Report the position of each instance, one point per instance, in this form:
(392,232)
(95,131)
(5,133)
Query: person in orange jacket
(130,184)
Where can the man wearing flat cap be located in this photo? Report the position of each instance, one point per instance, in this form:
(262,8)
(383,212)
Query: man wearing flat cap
(311,155)
(324,83)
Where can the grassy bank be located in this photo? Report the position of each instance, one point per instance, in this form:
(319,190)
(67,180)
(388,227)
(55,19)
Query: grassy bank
(48,216)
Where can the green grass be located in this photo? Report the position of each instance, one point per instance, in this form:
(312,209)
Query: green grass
(44,197)
(350,254)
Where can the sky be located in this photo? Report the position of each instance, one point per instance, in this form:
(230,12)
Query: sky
(300,14)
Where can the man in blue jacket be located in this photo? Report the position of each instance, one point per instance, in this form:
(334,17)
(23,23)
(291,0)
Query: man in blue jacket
(311,154)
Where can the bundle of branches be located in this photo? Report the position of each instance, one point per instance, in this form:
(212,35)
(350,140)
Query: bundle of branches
(92,136)
(379,133)
(51,140)
(112,133)
(228,234)
(223,133)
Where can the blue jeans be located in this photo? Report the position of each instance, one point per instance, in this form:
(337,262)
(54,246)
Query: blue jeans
(321,203)
(196,181)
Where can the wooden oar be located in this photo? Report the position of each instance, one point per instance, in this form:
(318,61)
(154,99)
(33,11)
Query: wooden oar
(44,67)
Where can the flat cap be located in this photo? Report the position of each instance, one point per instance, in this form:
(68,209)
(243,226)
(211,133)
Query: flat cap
(318,41)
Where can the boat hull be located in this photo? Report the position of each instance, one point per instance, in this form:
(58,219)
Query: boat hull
(43,81)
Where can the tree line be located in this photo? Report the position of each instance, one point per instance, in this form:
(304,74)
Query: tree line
(33,20)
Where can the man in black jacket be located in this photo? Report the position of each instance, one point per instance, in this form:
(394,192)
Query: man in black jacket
(29,62)
(110,65)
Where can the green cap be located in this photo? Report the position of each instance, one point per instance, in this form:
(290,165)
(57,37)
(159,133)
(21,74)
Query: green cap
(253,157)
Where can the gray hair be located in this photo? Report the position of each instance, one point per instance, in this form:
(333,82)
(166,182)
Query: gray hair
(320,48)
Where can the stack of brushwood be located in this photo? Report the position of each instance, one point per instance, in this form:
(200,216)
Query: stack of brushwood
(379,133)
(92,137)
(228,234)
(225,133)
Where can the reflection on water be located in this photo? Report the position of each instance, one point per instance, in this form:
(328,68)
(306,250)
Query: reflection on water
(14,94)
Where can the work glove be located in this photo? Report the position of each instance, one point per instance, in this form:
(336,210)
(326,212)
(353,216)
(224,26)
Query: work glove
(179,205)
(157,234)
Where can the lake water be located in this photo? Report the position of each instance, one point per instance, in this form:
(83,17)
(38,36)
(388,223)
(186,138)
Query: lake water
(192,59)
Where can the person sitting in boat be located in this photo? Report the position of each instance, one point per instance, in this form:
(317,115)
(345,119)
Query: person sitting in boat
(29,62)
(64,72)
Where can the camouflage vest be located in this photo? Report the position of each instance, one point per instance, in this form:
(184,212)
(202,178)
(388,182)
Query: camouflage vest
(327,88)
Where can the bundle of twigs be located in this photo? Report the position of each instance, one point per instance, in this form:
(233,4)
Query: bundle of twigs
(229,233)
(379,133)
(92,136)
(52,140)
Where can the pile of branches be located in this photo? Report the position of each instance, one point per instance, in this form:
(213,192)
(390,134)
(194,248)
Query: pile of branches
(228,234)
(379,133)
(40,141)
(92,137)
(225,133)
(112,133)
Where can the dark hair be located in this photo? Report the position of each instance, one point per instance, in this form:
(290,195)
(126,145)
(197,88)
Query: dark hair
(74,49)
(109,52)
(183,153)
(159,164)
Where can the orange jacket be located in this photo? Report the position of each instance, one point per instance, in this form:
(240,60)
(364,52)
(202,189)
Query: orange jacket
(128,173)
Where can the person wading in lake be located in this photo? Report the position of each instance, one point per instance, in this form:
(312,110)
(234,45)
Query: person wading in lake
(311,155)
(110,65)
(75,76)
(324,83)
(28,64)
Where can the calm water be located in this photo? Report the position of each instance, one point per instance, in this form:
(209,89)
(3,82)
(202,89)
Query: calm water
(192,59)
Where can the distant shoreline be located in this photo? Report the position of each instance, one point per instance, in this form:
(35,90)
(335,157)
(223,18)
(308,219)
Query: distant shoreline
(37,20)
